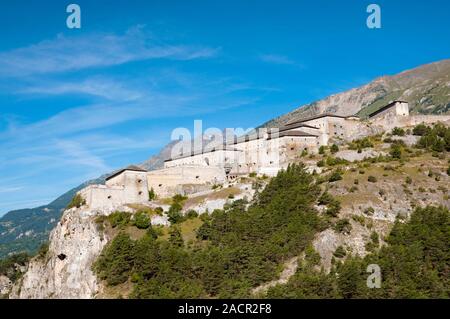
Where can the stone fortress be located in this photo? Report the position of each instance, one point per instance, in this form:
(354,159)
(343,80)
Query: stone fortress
(266,151)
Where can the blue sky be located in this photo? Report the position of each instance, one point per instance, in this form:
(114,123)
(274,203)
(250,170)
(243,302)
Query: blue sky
(76,104)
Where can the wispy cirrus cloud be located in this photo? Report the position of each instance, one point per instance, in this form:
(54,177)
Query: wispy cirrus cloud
(278,59)
(102,87)
(73,53)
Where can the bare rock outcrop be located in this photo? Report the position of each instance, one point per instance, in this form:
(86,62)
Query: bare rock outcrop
(65,270)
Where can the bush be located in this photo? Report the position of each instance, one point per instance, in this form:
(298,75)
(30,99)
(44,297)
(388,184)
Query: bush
(77,201)
(369,211)
(334,149)
(334,208)
(119,219)
(325,199)
(190,214)
(343,226)
(322,149)
(396,151)
(372,179)
(253,174)
(142,220)
(321,163)
(339,252)
(436,138)
(421,130)
(151,194)
(361,144)
(335,176)
(174,213)
(398,131)
(178,198)
(332,161)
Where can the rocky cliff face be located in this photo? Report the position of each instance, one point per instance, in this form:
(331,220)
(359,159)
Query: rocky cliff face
(65,270)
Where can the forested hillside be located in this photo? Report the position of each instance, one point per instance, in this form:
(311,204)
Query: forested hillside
(237,249)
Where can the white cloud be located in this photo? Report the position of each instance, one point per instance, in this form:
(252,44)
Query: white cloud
(94,50)
(96,86)
(276,59)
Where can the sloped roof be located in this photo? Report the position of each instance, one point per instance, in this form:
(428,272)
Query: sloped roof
(292,133)
(381,109)
(128,168)
(318,117)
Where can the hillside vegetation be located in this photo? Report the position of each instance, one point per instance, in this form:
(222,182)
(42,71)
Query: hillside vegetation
(238,249)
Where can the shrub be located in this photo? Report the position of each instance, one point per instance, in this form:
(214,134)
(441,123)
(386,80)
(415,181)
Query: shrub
(77,201)
(339,252)
(408,180)
(335,176)
(332,161)
(142,220)
(191,214)
(360,219)
(398,131)
(304,153)
(178,198)
(396,151)
(343,226)
(321,163)
(174,213)
(325,199)
(159,210)
(421,130)
(334,208)
(361,144)
(253,174)
(151,194)
(369,211)
(372,179)
(374,237)
(119,219)
(322,149)
(334,148)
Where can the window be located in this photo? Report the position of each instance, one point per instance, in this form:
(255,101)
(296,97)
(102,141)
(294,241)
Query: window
(140,193)
(109,196)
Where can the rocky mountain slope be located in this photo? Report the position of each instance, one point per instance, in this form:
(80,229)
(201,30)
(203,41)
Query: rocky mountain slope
(426,88)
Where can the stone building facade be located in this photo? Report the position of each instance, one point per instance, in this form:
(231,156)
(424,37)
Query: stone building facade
(265,152)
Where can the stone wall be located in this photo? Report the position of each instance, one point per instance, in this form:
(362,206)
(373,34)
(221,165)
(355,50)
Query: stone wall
(167,181)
